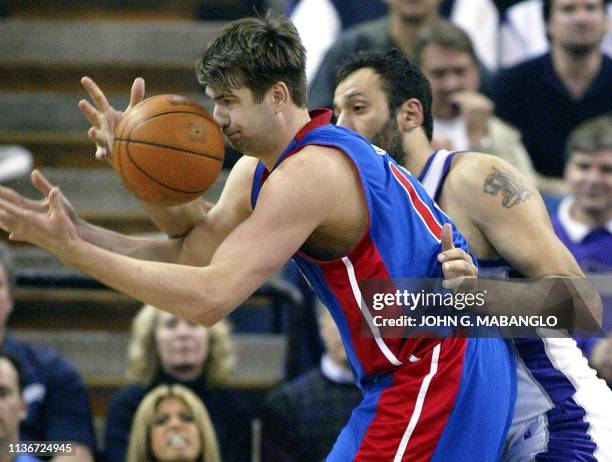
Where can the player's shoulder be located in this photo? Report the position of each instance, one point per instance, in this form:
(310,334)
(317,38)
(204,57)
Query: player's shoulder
(468,168)
(471,171)
(477,181)
(313,159)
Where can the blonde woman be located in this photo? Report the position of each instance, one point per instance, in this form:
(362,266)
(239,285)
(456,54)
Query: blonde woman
(170,424)
(165,349)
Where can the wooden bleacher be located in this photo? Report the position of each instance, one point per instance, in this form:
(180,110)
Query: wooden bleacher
(44,51)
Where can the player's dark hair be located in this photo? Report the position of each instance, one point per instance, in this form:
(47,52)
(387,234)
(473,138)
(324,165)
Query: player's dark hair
(400,80)
(591,136)
(11,358)
(256,53)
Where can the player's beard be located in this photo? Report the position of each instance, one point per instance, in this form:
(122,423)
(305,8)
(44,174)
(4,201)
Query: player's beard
(389,138)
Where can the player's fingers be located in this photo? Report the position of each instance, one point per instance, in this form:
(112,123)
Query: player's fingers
(40,182)
(95,93)
(454,254)
(138,91)
(55,200)
(9,215)
(90,113)
(96,136)
(98,139)
(446,237)
(459,268)
(9,195)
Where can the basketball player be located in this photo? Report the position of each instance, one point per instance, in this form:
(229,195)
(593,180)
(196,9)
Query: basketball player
(345,211)
(562,410)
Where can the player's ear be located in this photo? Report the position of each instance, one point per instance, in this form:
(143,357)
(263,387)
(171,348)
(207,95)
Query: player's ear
(279,94)
(410,115)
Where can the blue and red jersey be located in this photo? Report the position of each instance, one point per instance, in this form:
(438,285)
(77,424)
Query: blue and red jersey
(402,241)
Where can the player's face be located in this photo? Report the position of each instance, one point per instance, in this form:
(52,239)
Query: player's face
(360,104)
(6,301)
(577,25)
(415,11)
(12,406)
(174,433)
(589,177)
(182,345)
(448,71)
(244,122)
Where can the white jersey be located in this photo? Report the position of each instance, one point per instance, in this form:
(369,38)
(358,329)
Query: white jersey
(559,397)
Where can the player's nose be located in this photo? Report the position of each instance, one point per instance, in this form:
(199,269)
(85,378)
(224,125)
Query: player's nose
(220,116)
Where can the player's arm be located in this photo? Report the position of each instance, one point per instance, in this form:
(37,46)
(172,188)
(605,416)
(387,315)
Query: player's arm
(210,229)
(510,213)
(292,203)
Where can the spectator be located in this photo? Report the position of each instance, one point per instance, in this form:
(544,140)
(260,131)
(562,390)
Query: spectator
(165,349)
(399,30)
(57,401)
(171,424)
(522,32)
(13,408)
(548,96)
(396,30)
(584,218)
(463,117)
(302,419)
(333,16)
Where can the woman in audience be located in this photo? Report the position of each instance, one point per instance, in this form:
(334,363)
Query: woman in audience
(165,349)
(171,424)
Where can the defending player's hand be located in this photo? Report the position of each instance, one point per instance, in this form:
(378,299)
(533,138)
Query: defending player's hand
(103,117)
(41,205)
(456,263)
(45,224)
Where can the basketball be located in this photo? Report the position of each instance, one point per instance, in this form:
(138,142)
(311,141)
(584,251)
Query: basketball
(167,150)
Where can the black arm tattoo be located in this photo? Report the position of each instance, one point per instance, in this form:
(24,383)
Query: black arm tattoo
(512,189)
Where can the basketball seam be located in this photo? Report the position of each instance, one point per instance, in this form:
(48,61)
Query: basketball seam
(157,145)
(127,150)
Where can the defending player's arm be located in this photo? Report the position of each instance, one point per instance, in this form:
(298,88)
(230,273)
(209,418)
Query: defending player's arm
(510,213)
(210,229)
(292,203)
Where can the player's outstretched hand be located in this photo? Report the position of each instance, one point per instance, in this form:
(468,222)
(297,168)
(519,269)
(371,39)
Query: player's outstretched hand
(41,205)
(43,223)
(103,117)
(456,263)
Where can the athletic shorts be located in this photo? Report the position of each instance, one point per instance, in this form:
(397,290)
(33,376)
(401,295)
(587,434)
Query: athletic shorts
(453,403)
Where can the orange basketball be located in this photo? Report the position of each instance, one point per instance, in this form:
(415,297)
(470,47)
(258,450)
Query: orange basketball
(168,150)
